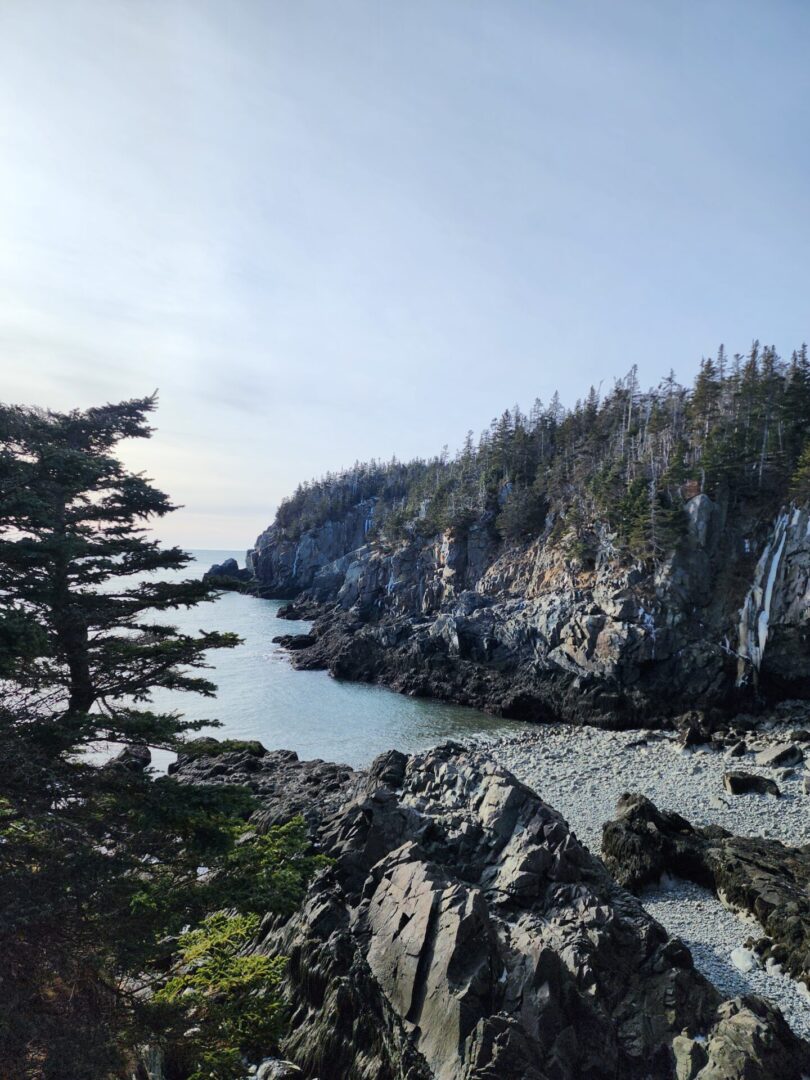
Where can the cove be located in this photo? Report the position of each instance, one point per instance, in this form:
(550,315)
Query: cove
(261,697)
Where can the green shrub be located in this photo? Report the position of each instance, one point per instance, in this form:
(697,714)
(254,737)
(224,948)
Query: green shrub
(206,746)
(267,872)
(227,1000)
(222,1002)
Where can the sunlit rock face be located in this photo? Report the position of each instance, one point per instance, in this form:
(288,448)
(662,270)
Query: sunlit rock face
(526,630)
(284,567)
(462,932)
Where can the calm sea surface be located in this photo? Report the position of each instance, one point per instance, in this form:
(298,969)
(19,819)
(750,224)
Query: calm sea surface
(261,697)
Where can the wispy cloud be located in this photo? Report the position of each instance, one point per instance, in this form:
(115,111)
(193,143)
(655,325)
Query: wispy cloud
(336,231)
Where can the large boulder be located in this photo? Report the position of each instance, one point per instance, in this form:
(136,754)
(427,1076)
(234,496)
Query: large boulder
(462,932)
(738,782)
(762,877)
(779,756)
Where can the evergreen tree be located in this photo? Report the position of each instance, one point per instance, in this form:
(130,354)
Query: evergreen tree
(98,864)
(72,519)
(800,483)
(628,460)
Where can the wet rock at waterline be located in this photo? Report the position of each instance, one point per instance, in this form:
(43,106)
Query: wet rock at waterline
(293,642)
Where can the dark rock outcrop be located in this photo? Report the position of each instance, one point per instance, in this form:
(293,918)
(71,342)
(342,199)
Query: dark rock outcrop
(763,877)
(737,782)
(529,632)
(463,933)
(136,757)
(293,642)
(227,575)
(283,566)
(286,786)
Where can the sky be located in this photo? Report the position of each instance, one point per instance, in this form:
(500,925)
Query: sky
(336,230)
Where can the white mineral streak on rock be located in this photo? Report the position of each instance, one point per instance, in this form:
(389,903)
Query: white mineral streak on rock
(647,620)
(756,611)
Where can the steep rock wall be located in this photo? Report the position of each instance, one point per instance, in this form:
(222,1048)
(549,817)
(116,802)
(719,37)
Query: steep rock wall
(285,566)
(774,629)
(527,631)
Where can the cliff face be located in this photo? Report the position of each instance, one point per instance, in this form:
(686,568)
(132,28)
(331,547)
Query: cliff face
(284,567)
(527,631)
(774,629)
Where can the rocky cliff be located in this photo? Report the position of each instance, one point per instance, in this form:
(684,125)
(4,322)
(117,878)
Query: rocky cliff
(284,566)
(529,630)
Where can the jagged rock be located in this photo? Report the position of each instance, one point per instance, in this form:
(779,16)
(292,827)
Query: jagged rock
(693,729)
(136,757)
(286,786)
(784,754)
(752,1041)
(289,611)
(528,632)
(690,1057)
(295,641)
(743,783)
(763,877)
(739,749)
(284,567)
(463,933)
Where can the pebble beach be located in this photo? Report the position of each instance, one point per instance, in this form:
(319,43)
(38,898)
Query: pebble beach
(583,771)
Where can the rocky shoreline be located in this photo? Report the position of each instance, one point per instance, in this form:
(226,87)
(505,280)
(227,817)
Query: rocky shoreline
(527,631)
(464,930)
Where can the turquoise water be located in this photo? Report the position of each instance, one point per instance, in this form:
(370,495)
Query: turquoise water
(260,696)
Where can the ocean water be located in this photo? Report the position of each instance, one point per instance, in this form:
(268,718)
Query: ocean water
(260,696)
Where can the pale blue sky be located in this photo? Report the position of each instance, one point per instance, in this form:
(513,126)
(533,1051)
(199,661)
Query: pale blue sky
(340,229)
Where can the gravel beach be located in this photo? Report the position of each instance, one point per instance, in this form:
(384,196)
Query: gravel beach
(583,771)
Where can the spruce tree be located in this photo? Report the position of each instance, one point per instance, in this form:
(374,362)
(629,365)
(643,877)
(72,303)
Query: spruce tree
(73,536)
(800,483)
(98,864)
